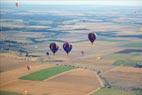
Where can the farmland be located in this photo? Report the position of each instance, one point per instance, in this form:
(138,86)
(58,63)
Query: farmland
(9,93)
(46,73)
(113,91)
(47,50)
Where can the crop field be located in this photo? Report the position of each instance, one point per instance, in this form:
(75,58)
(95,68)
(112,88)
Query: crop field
(9,93)
(70,49)
(125,77)
(46,73)
(113,91)
(133,45)
(127,62)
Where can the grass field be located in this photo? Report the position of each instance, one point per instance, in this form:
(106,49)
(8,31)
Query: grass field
(134,45)
(46,73)
(113,91)
(112,40)
(126,62)
(9,93)
(138,92)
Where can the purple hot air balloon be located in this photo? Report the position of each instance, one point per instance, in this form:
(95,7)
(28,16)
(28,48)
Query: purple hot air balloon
(54,48)
(92,37)
(67,47)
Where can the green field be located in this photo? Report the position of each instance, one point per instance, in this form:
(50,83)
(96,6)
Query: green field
(112,40)
(46,73)
(9,93)
(134,45)
(113,91)
(126,62)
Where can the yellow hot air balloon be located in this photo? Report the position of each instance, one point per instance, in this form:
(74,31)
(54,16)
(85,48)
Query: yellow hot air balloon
(99,58)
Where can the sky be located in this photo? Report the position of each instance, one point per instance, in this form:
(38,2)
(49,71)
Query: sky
(79,2)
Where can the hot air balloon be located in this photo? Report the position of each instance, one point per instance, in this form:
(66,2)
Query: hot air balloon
(99,58)
(47,53)
(17,3)
(25,92)
(29,67)
(67,47)
(82,52)
(92,37)
(54,48)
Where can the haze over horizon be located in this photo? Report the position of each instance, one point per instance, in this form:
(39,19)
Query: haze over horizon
(78,2)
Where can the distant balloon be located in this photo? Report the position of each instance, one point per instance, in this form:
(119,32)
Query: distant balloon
(82,52)
(92,37)
(67,47)
(17,4)
(29,67)
(99,58)
(25,92)
(47,53)
(54,48)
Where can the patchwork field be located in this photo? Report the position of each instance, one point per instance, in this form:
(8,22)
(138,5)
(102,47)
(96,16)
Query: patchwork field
(57,85)
(9,93)
(62,75)
(46,73)
(11,61)
(113,91)
(125,77)
(59,81)
(109,66)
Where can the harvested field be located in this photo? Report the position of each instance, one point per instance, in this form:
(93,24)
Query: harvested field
(113,91)
(11,61)
(70,49)
(76,82)
(125,77)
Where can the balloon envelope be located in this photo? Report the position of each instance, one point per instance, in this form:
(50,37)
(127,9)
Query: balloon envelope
(47,53)
(92,37)
(54,48)
(67,47)
(17,4)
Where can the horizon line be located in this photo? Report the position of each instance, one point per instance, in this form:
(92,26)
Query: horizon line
(78,2)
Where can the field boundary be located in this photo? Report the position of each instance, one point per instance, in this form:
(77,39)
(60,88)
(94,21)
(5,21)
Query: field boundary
(59,74)
(90,93)
(101,84)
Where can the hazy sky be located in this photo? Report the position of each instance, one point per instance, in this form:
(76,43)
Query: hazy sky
(79,2)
